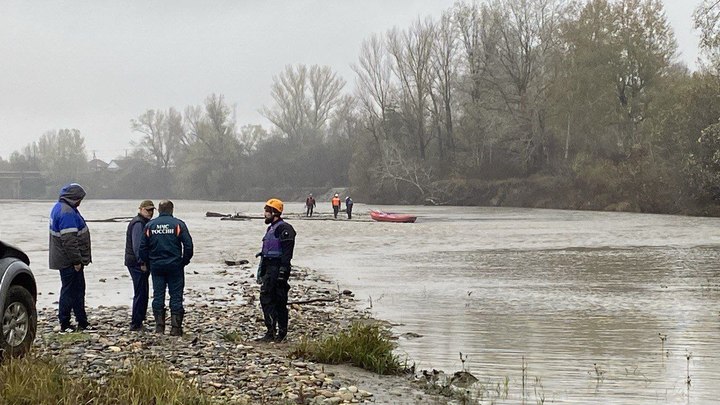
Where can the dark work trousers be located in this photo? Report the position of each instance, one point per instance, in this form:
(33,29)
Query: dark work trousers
(140,294)
(348,209)
(309,211)
(72,297)
(273,299)
(174,280)
(336,209)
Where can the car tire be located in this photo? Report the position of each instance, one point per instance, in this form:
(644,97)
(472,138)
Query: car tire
(18,322)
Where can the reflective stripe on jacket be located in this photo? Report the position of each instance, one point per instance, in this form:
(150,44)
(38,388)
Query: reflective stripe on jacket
(166,243)
(69,237)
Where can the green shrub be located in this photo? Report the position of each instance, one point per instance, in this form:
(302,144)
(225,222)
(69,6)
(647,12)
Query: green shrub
(37,381)
(365,346)
(150,383)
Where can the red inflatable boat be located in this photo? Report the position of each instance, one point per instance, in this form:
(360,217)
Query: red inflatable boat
(391,217)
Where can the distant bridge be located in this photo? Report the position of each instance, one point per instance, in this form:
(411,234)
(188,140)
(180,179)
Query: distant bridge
(11,183)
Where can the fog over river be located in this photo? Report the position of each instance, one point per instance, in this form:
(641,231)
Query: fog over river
(580,299)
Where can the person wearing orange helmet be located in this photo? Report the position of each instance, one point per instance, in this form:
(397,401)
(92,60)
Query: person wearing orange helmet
(274,271)
(336,205)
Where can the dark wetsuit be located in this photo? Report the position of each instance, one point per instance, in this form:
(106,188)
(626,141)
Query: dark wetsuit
(277,253)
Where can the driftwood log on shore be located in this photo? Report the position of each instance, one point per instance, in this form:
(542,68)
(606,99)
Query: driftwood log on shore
(359,217)
(113,219)
(310,301)
(231,217)
(211,214)
(236,262)
(288,215)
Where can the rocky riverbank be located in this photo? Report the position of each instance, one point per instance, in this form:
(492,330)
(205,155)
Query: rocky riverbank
(218,352)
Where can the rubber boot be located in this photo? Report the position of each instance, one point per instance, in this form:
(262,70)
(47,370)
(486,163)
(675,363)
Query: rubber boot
(267,337)
(159,321)
(282,334)
(176,321)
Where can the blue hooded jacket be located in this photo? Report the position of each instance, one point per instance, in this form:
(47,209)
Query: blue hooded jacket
(69,234)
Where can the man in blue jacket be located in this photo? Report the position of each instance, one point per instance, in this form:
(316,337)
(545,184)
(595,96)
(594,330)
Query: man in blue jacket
(138,270)
(348,206)
(167,248)
(69,252)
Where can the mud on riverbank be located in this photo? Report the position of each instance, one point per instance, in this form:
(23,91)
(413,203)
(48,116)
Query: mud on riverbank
(218,352)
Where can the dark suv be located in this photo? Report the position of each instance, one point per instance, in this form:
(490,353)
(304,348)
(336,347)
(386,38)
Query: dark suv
(18,293)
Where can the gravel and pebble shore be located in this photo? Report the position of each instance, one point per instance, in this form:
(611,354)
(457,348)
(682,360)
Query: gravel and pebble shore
(218,351)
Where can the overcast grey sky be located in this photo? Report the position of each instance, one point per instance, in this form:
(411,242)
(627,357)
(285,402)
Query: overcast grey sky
(95,65)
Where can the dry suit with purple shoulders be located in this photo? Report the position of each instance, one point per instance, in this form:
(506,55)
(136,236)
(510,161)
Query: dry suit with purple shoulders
(277,252)
(70,252)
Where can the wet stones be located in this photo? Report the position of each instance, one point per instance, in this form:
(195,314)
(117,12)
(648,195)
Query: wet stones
(218,352)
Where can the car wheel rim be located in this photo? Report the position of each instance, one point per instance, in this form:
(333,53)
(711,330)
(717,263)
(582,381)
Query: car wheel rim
(15,324)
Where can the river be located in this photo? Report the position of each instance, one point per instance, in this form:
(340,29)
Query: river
(585,307)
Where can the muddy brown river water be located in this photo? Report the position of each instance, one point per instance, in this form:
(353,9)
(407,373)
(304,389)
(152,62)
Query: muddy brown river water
(584,307)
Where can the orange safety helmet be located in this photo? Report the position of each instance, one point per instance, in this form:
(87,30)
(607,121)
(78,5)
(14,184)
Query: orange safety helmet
(275,203)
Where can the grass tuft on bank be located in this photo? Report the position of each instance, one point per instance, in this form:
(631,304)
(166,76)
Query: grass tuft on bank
(363,345)
(33,380)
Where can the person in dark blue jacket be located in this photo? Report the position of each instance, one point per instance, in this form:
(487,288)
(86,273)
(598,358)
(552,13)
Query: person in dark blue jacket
(274,271)
(70,252)
(167,248)
(137,268)
(348,206)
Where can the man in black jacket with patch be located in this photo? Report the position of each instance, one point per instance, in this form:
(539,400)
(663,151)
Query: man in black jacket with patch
(274,271)
(167,248)
(137,268)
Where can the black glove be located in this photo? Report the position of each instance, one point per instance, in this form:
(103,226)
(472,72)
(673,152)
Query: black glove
(284,273)
(260,276)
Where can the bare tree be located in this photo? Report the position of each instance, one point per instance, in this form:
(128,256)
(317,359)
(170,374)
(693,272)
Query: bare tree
(644,46)
(304,98)
(163,134)
(250,136)
(585,96)
(288,92)
(213,152)
(478,41)
(412,52)
(374,84)
(212,125)
(528,39)
(397,168)
(344,121)
(61,155)
(706,19)
(444,70)
(325,87)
